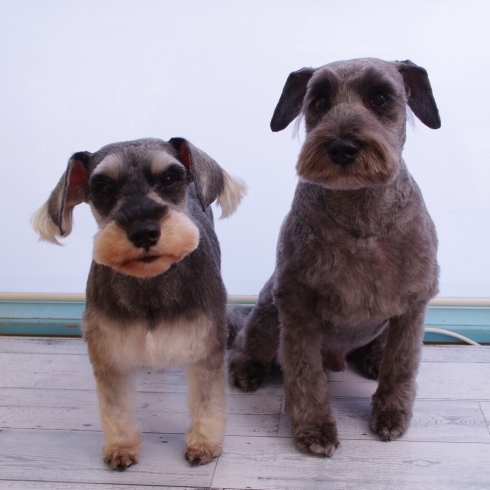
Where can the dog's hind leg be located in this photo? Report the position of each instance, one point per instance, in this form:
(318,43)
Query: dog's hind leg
(122,439)
(236,316)
(207,404)
(368,357)
(393,400)
(255,346)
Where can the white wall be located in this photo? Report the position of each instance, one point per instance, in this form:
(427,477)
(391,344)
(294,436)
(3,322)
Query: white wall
(80,74)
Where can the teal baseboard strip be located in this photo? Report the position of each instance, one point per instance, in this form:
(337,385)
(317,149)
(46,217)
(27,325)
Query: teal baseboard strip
(471,321)
(41,316)
(61,314)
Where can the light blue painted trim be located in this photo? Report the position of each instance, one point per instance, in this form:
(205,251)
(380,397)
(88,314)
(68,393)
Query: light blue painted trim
(54,317)
(472,322)
(41,317)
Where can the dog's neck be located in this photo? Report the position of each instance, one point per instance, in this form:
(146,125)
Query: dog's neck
(371,211)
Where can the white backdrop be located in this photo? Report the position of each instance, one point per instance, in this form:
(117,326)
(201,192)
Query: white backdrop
(80,74)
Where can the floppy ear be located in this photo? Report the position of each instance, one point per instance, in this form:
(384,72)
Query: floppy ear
(291,100)
(211,181)
(419,92)
(54,218)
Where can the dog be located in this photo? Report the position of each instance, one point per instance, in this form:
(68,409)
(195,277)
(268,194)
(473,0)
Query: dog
(155,296)
(356,257)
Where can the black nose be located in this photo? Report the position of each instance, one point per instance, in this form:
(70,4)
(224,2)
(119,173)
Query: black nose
(343,151)
(144,235)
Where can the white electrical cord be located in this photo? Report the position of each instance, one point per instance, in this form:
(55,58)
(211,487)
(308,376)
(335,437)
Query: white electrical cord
(452,334)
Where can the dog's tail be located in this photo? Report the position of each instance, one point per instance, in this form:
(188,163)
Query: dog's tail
(236,317)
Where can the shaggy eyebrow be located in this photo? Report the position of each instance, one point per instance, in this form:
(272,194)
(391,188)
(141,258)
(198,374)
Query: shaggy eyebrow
(161,161)
(371,79)
(111,165)
(325,85)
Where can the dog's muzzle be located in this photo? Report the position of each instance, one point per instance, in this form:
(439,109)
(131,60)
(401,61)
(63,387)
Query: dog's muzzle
(146,248)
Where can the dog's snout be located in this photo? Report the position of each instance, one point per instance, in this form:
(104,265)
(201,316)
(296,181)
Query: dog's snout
(343,151)
(144,235)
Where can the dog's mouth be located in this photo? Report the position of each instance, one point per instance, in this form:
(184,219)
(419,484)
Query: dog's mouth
(148,259)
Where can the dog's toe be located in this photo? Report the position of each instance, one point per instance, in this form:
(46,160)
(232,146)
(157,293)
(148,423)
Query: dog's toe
(246,373)
(321,439)
(198,454)
(119,458)
(390,424)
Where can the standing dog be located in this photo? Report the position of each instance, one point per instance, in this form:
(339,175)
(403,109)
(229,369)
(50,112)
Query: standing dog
(356,258)
(154,294)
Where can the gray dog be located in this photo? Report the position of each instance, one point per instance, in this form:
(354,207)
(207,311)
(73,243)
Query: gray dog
(154,294)
(356,258)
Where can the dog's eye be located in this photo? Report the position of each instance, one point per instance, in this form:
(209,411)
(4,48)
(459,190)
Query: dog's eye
(103,188)
(379,100)
(107,189)
(168,179)
(321,104)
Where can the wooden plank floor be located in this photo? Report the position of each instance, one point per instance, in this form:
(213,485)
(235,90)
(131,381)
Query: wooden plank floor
(50,436)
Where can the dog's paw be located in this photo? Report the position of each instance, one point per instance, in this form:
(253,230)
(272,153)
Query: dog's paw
(369,365)
(317,439)
(247,373)
(390,424)
(368,360)
(120,458)
(198,454)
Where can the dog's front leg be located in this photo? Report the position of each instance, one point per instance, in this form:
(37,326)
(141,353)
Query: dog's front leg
(307,406)
(122,439)
(207,404)
(393,400)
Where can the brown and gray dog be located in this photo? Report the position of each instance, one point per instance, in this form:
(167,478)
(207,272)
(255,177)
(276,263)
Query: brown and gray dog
(155,296)
(356,258)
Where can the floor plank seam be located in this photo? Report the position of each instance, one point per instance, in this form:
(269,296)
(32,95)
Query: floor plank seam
(279,419)
(103,485)
(487,422)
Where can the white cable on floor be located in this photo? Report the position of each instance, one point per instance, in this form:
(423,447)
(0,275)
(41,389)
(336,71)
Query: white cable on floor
(452,334)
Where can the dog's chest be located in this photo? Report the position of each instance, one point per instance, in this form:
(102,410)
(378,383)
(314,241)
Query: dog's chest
(359,281)
(168,344)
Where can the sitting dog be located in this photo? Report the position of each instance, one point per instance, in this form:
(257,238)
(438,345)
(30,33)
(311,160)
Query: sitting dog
(155,297)
(356,257)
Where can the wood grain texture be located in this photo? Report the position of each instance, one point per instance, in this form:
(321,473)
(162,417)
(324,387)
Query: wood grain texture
(433,421)
(274,463)
(456,381)
(456,353)
(37,485)
(43,345)
(76,456)
(157,412)
(51,439)
(67,371)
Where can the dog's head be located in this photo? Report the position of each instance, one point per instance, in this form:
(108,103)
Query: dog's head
(355,117)
(137,191)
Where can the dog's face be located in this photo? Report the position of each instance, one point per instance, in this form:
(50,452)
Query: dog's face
(355,117)
(137,192)
(138,198)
